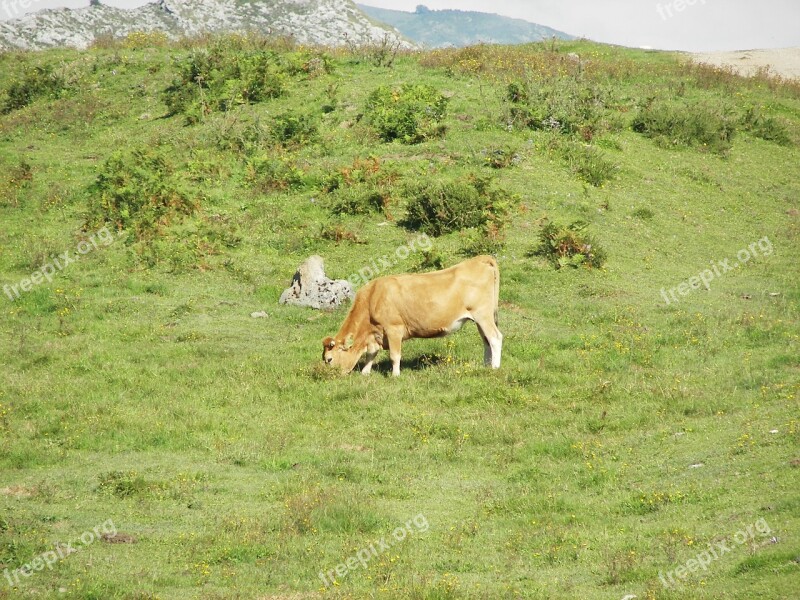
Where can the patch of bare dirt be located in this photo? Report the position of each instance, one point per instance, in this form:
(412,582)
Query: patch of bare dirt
(784,61)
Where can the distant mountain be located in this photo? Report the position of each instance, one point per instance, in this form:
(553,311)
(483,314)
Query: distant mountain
(438,28)
(328,22)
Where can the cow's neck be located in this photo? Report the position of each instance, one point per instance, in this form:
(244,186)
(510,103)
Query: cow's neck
(357,325)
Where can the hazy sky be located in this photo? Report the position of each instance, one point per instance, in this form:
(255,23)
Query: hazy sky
(668,24)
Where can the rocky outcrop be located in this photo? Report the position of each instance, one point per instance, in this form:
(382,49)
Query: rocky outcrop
(311,287)
(326,22)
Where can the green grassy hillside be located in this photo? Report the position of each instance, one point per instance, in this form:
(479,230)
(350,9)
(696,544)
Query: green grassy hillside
(640,439)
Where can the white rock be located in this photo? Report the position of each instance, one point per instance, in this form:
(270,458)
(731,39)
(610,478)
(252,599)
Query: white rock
(310,287)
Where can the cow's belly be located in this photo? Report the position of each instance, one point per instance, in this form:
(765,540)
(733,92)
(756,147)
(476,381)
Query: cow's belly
(441,331)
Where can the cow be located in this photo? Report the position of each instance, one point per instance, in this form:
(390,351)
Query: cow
(391,309)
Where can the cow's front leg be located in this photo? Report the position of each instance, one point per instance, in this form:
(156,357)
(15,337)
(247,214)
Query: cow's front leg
(395,342)
(370,359)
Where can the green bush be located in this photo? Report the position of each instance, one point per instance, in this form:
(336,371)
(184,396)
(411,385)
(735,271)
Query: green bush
(500,157)
(140,191)
(359,199)
(37,82)
(360,188)
(564,105)
(445,205)
(411,113)
(569,246)
(14,182)
(589,163)
(240,135)
(670,123)
(765,127)
(189,245)
(231,73)
(270,173)
(292,128)
(338,233)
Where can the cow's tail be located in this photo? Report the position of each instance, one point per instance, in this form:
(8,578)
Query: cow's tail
(496,270)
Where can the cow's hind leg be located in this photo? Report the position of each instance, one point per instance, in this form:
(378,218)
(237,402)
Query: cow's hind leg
(492,340)
(487,349)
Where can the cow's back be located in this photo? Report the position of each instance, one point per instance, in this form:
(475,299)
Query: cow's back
(427,304)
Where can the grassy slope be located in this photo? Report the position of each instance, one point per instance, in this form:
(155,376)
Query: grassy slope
(150,397)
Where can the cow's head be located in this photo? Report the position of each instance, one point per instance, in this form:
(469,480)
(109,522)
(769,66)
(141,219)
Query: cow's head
(341,353)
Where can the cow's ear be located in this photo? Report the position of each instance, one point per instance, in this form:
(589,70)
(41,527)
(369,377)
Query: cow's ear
(329,343)
(349,341)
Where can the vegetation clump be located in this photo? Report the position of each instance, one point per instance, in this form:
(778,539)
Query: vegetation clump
(500,156)
(293,128)
(37,82)
(140,191)
(360,188)
(563,105)
(675,123)
(412,113)
(569,246)
(271,172)
(765,127)
(14,181)
(233,72)
(442,206)
(589,163)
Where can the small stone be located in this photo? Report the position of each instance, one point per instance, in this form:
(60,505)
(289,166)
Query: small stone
(259,315)
(118,538)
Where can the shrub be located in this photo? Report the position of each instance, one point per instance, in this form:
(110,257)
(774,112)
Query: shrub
(765,127)
(361,188)
(569,246)
(490,239)
(684,124)
(359,199)
(337,233)
(291,128)
(269,173)
(588,163)
(380,54)
(138,190)
(429,260)
(37,82)
(240,135)
(411,113)
(564,105)
(643,213)
(500,157)
(445,205)
(224,76)
(189,245)
(14,182)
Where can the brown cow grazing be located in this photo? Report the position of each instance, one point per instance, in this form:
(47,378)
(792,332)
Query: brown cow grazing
(391,309)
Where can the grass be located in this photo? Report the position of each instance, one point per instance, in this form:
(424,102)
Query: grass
(619,439)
